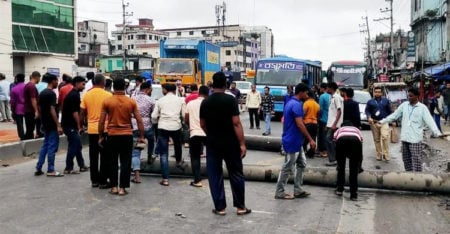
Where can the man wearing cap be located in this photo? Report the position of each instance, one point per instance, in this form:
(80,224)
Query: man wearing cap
(71,124)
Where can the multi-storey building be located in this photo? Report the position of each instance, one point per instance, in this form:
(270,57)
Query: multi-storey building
(139,39)
(43,36)
(93,37)
(6,60)
(241,46)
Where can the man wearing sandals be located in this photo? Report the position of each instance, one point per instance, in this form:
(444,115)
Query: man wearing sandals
(294,132)
(50,126)
(120,109)
(219,119)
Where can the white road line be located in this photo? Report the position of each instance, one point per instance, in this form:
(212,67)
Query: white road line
(359,216)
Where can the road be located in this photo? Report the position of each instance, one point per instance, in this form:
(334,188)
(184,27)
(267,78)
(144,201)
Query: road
(54,205)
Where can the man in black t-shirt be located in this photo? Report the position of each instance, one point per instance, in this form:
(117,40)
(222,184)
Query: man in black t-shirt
(50,126)
(71,124)
(219,118)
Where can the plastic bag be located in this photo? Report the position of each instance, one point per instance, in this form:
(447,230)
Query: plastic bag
(394,135)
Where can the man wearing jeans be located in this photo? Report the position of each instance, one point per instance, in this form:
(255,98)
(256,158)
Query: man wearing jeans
(267,106)
(145,104)
(324,104)
(335,117)
(169,113)
(71,123)
(294,132)
(50,126)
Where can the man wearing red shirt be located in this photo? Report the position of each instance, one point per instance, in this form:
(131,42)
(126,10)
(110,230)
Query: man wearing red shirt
(193,95)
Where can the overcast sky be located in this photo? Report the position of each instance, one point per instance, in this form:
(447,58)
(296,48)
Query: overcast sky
(324,30)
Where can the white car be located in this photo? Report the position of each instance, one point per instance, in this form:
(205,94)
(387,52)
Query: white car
(244,87)
(362,97)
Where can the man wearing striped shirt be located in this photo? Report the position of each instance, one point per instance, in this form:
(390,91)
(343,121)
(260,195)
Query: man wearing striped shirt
(348,145)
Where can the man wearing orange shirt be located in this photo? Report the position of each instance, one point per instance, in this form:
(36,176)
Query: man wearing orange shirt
(91,106)
(120,109)
(311,111)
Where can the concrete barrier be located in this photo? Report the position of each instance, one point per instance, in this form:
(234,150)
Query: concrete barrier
(405,181)
(11,150)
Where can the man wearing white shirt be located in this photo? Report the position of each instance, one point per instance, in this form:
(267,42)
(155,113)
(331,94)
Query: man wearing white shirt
(335,118)
(169,113)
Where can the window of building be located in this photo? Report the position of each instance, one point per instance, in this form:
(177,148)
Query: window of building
(37,39)
(119,37)
(119,47)
(156,38)
(203,32)
(216,31)
(130,37)
(44,13)
(228,64)
(178,33)
(227,52)
(417,5)
(191,32)
(150,37)
(141,37)
(130,47)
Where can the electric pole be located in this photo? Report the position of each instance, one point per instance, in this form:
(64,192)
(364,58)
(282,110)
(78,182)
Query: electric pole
(391,18)
(365,29)
(124,50)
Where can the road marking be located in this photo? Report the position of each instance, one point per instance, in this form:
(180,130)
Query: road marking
(263,212)
(359,216)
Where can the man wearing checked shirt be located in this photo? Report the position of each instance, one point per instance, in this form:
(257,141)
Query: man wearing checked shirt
(414,116)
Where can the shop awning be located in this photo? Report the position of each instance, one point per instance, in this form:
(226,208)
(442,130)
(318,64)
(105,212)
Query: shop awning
(437,72)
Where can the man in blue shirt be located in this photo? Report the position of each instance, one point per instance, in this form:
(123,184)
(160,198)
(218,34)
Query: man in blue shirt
(294,131)
(377,109)
(415,116)
(324,103)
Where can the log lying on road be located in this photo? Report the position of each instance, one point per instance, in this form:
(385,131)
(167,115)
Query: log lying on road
(404,181)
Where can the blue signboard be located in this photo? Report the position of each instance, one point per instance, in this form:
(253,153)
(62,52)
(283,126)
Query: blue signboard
(284,66)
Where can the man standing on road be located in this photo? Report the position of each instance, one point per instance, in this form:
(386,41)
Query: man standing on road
(72,127)
(31,105)
(219,119)
(91,106)
(236,92)
(18,104)
(311,114)
(335,117)
(294,132)
(197,135)
(50,126)
(324,104)
(414,116)
(267,107)
(169,113)
(351,109)
(120,109)
(193,95)
(4,98)
(377,109)
(145,105)
(436,108)
(253,104)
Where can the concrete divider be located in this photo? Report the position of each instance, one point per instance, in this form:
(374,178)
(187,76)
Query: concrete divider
(11,150)
(405,181)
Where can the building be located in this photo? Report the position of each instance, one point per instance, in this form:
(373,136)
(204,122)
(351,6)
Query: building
(140,39)
(429,24)
(380,47)
(43,36)
(6,59)
(93,37)
(241,46)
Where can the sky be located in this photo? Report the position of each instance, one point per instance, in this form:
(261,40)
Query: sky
(324,30)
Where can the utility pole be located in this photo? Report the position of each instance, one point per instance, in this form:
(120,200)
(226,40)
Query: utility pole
(365,29)
(124,50)
(391,18)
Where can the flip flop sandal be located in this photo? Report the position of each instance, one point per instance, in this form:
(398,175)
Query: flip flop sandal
(246,211)
(73,172)
(197,185)
(114,192)
(285,197)
(164,183)
(135,181)
(221,213)
(125,192)
(55,174)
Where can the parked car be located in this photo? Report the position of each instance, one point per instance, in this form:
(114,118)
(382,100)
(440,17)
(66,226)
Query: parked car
(362,97)
(244,87)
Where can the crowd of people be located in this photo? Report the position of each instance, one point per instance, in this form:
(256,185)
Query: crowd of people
(120,122)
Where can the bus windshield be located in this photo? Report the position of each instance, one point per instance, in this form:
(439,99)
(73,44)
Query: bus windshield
(279,73)
(348,76)
(174,67)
